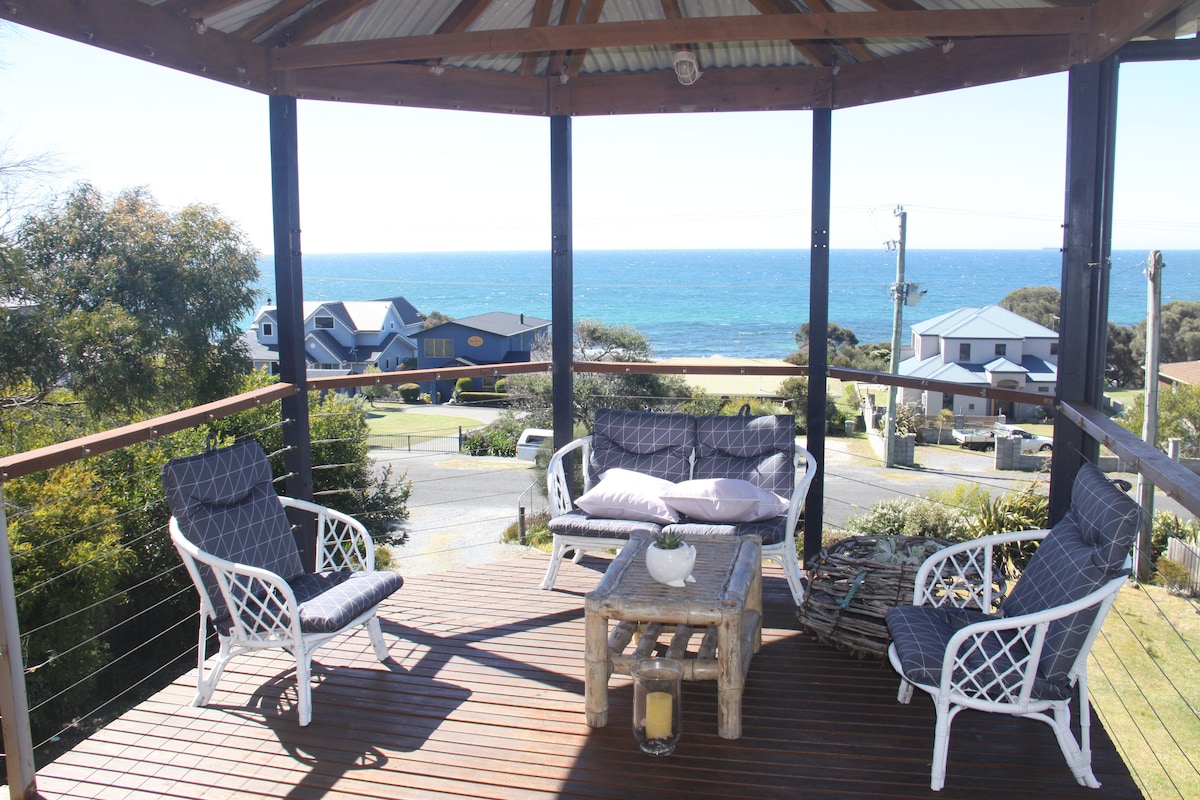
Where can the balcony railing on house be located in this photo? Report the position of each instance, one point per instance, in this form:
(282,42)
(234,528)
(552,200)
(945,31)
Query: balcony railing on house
(483,694)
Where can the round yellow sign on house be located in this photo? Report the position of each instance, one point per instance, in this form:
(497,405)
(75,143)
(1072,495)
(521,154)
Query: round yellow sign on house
(475,341)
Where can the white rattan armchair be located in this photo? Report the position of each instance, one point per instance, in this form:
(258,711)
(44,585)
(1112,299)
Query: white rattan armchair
(231,532)
(1025,655)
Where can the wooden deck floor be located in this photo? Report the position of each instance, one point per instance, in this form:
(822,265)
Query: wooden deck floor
(483,698)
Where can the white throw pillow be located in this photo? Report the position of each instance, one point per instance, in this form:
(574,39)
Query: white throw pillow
(724,500)
(625,494)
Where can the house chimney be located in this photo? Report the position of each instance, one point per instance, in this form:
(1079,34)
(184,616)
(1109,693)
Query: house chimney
(522,318)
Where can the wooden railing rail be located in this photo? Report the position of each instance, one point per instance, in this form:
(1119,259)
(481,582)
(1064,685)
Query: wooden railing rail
(56,455)
(1176,480)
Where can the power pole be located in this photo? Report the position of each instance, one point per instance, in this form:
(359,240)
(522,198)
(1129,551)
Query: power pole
(1145,489)
(899,293)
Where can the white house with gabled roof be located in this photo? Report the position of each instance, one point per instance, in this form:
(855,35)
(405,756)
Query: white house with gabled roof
(342,337)
(988,346)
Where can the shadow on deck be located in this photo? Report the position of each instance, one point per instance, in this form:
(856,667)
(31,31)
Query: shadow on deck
(483,698)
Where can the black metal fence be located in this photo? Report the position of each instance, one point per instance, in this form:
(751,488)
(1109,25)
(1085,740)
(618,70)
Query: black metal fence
(418,442)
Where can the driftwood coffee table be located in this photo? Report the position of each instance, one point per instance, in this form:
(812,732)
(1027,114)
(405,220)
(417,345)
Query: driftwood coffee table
(723,606)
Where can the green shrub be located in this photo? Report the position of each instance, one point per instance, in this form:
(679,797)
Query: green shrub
(899,517)
(1171,574)
(490,442)
(410,392)
(483,398)
(1168,526)
(463,385)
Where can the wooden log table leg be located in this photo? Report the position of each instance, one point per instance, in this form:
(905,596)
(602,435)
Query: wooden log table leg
(731,676)
(597,667)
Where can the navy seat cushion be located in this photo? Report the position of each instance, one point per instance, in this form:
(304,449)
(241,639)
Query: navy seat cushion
(576,522)
(655,444)
(770,531)
(756,449)
(226,505)
(329,601)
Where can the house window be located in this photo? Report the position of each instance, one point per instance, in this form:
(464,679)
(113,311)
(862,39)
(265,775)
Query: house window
(1054,348)
(324,323)
(439,348)
(1001,349)
(267,329)
(964,351)
(488,383)
(1045,389)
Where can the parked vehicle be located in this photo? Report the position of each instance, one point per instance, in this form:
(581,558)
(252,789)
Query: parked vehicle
(530,442)
(985,438)
(975,438)
(1031,442)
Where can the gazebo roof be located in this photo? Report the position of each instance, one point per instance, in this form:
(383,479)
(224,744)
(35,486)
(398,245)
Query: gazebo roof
(589,57)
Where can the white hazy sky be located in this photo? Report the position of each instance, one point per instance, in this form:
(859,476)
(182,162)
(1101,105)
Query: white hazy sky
(976,168)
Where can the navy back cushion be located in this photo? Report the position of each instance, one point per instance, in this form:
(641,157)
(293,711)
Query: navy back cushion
(655,444)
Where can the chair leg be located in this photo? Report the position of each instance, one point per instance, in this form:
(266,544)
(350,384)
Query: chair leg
(556,554)
(1078,759)
(941,746)
(207,684)
(376,634)
(791,571)
(905,693)
(304,685)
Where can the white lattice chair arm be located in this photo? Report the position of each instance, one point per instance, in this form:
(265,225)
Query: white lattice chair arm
(343,543)
(261,605)
(558,484)
(965,575)
(1010,646)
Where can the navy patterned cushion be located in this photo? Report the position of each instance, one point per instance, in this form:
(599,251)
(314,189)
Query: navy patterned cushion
(654,444)
(226,505)
(920,635)
(756,449)
(330,601)
(770,531)
(578,523)
(1085,550)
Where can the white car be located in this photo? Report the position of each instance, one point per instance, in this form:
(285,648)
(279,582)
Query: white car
(1031,442)
(530,442)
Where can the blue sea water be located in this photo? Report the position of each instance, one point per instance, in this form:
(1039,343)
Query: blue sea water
(744,303)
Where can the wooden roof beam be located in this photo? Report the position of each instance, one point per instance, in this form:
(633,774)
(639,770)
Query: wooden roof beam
(541,17)
(855,25)
(591,14)
(146,33)
(315,22)
(1115,22)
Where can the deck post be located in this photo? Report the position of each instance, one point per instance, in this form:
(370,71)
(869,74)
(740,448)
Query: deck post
(818,325)
(14,702)
(1087,250)
(562,280)
(289,290)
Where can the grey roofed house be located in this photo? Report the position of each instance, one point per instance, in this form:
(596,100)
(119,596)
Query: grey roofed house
(342,336)
(988,346)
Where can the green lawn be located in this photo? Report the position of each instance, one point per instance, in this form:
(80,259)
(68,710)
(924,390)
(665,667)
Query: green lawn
(1143,686)
(389,419)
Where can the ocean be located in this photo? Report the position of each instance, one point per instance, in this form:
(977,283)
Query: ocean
(741,303)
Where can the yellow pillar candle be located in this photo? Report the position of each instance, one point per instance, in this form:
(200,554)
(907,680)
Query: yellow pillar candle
(659,708)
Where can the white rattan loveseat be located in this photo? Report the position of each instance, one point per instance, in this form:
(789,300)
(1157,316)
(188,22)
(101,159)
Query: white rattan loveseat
(706,453)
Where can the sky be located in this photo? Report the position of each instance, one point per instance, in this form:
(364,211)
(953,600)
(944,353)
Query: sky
(979,168)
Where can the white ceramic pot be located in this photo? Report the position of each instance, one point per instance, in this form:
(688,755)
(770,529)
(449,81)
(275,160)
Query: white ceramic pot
(672,567)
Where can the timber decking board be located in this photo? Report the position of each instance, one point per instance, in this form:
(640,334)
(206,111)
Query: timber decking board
(483,698)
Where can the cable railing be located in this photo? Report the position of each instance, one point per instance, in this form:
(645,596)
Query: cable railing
(133,632)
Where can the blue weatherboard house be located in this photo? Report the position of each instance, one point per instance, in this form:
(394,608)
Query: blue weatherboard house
(493,338)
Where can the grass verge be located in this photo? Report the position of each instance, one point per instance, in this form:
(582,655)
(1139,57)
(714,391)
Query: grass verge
(1143,686)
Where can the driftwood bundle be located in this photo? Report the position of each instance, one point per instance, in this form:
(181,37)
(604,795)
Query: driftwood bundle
(853,583)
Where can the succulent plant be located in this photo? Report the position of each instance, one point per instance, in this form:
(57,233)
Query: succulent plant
(667,540)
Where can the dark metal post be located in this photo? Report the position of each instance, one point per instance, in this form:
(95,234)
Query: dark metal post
(562,279)
(289,289)
(818,325)
(1087,246)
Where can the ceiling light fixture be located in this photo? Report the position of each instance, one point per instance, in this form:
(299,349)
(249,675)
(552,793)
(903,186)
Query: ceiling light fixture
(686,68)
